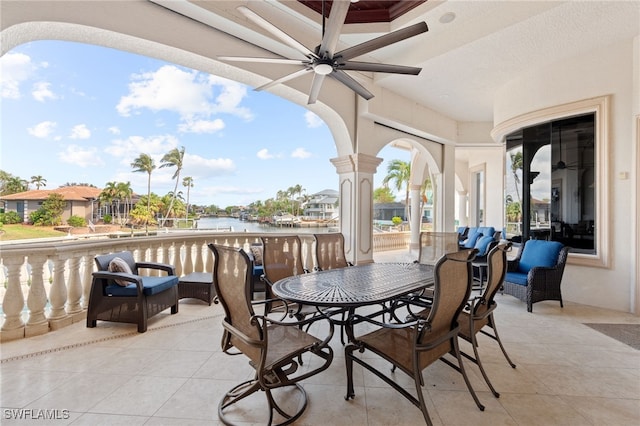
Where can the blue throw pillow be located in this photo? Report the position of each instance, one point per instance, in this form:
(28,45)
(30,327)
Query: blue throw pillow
(539,253)
(482,244)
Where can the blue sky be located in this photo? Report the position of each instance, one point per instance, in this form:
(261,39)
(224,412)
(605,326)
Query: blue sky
(72,112)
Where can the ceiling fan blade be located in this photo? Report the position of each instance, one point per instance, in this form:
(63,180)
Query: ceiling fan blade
(382,41)
(331,35)
(374,67)
(345,79)
(283,79)
(263,60)
(315,88)
(268,26)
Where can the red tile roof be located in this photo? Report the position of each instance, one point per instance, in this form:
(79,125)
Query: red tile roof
(69,193)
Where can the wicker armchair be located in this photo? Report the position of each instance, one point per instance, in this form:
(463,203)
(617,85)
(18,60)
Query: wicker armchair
(127,296)
(536,273)
(477,315)
(273,347)
(431,335)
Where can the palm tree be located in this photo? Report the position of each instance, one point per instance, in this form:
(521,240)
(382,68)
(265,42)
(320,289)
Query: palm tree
(188,182)
(516,164)
(38,181)
(124,193)
(399,172)
(173,158)
(108,195)
(144,163)
(14,185)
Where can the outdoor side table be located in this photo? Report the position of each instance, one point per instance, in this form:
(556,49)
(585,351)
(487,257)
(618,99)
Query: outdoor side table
(197,285)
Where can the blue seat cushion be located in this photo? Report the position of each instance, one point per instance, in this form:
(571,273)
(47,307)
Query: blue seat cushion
(482,244)
(516,278)
(151,286)
(539,253)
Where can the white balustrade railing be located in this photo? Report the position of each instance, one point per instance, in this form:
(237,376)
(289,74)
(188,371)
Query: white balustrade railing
(46,285)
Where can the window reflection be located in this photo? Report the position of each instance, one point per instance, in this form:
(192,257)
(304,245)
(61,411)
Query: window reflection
(557,199)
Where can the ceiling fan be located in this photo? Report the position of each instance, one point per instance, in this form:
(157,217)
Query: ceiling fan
(561,165)
(325,61)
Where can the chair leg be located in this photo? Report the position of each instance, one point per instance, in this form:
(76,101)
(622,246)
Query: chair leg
(348,352)
(417,375)
(464,374)
(474,344)
(496,337)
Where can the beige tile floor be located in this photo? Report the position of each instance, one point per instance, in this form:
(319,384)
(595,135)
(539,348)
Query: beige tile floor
(175,373)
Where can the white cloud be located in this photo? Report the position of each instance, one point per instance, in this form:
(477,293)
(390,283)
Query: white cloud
(42,130)
(201,126)
(80,156)
(200,167)
(312,120)
(15,68)
(41,91)
(300,153)
(231,95)
(80,131)
(114,130)
(130,148)
(264,154)
(188,93)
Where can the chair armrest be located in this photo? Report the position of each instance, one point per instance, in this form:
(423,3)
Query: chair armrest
(356,318)
(169,269)
(512,265)
(541,277)
(106,275)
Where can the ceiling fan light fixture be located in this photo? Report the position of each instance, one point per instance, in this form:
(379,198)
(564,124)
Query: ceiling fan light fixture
(322,68)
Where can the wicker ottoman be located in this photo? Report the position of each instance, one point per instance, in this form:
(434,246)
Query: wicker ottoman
(197,285)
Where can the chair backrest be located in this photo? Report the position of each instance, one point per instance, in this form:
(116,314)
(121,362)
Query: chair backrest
(497,269)
(281,257)
(102,261)
(433,245)
(539,253)
(232,272)
(452,286)
(330,251)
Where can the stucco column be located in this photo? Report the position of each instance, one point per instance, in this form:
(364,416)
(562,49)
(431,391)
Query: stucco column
(462,208)
(416,215)
(356,204)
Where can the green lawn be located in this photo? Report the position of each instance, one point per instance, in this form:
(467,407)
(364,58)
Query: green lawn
(22,232)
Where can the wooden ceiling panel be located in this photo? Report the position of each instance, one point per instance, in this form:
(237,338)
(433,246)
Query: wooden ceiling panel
(368,11)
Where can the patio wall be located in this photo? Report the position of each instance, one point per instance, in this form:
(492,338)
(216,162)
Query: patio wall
(46,284)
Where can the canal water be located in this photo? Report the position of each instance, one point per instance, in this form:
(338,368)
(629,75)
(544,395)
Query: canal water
(237,225)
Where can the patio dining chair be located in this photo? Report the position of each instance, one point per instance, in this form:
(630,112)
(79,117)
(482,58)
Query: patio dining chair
(477,315)
(433,245)
(282,258)
(414,345)
(330,251)
(274,348)
(330,255)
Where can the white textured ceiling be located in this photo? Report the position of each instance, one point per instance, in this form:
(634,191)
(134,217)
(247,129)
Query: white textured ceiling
(464,62)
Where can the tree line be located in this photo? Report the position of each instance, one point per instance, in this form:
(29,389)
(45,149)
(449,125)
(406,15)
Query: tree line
(116,198)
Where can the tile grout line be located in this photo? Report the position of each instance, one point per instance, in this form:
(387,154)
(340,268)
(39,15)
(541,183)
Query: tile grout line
(103,339)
